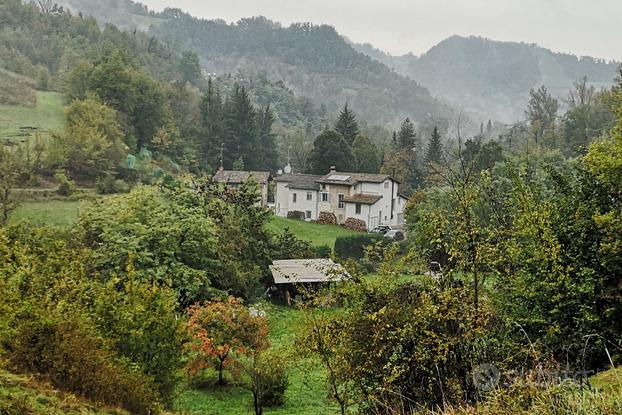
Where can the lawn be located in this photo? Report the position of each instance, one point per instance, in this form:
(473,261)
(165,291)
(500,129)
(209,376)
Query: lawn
(46,115)
(315,233)
(49,212)
(307,392)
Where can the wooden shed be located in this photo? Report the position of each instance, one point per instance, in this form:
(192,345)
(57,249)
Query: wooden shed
(290,275)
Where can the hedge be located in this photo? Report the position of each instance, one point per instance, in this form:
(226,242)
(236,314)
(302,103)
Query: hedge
(353,246)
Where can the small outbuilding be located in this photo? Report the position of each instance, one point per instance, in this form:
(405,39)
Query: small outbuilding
(292,277)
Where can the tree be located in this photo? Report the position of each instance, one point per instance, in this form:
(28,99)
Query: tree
(330,149)
(347,125)
(434,152)
(190,68)
(213,127)
(241,139)
(541,112)
(220,332)
(269,159)
(93,140)
(406,137)
(9,177)
(366,155)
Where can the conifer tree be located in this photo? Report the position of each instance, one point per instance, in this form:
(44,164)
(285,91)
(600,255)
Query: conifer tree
(366,155)
(347,125)
(267,145)
(406,137)
(433,153)
(241,129)
(212,124)
(331,149)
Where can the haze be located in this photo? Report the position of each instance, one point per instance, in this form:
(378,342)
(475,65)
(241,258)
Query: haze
(401,26)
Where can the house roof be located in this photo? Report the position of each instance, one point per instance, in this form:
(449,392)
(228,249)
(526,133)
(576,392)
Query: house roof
(350,179)
(290,271)
(362,198)
(300,181)
(236,177)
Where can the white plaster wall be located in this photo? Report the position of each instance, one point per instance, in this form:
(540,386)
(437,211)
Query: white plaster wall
(281,199)
(364,215)
(302,204)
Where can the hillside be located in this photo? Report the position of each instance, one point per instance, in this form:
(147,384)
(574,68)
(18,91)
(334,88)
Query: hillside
(493,78)
(314,61)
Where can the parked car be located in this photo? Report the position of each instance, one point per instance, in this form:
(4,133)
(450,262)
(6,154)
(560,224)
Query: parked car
(382,229)
(395,235)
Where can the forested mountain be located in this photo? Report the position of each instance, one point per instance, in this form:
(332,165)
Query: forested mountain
(314,61)
(493,78)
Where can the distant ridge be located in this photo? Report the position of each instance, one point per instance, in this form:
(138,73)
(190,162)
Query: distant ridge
(493,78)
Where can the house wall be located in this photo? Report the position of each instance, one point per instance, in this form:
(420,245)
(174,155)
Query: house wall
(281,199)
(302,204)
(333,205)
(364,215)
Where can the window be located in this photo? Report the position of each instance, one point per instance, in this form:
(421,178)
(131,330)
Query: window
(386,185)
(341,202)
(325,197)
(309,196)
(294,196)
(358,208)
(308,214)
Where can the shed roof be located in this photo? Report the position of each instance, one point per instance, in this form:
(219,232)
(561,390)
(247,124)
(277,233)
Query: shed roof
(289,271)
(237,177)
(362,198)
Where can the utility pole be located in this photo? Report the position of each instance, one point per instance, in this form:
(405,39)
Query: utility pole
(222,149)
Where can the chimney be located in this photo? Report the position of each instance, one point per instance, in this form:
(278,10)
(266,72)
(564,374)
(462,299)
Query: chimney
(332,169)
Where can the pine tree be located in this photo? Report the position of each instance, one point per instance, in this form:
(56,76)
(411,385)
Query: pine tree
(347,125)
(268,153)
(241,129)
(331,149)
(212,125)
(433,153)
(366,155)
(406,137)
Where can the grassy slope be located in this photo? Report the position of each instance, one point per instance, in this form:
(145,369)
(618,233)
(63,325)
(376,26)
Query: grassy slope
(306,393)
(23,395)
(49,212)
(47,114)
(316,234)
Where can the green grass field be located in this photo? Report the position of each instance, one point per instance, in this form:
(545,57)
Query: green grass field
(307,392)
(315,233)
(49,212)
(46,115)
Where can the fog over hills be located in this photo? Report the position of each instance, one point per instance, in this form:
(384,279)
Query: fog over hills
(492,78)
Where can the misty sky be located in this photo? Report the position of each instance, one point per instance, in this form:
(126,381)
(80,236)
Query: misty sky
(582,27)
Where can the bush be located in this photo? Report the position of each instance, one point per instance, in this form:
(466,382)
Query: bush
(66,186)
(265,375)
(109,185)
(327,218)
(356,225)
(322,251)
(353,246)
(288,246)
(69,353)
(296,214)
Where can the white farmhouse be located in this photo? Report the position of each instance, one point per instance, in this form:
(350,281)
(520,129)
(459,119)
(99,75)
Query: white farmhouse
(233,179)
(372,198)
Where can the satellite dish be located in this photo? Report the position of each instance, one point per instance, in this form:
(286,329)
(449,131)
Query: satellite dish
(288,169)
(279,172)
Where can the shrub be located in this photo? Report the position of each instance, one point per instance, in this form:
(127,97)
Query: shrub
(66,186)
(288,246)
(353,246)
(296,214)
(327,218)
(67,351)
(322,251)
(109,185)
(356,225)
(269,380)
